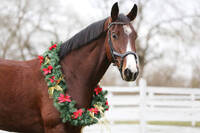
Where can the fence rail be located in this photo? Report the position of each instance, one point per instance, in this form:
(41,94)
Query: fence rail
(145,104)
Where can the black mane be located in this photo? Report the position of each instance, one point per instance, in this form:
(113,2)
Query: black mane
(87,35)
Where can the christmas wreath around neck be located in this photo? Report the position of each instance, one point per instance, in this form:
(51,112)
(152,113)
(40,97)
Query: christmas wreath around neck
(57,86)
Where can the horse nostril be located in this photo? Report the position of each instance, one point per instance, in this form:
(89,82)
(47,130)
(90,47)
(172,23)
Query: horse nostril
(128,73)
(135,75)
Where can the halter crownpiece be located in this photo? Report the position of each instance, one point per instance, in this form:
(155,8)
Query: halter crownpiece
(114,53)
(113,23)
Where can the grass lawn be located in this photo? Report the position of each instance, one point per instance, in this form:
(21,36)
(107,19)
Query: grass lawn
(167,123)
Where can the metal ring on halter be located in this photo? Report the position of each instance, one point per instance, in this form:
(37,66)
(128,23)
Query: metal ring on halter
(114,53)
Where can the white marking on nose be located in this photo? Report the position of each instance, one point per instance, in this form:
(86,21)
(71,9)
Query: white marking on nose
(130,59)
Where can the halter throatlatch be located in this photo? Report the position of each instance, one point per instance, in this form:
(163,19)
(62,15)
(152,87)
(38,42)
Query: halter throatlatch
(114,53)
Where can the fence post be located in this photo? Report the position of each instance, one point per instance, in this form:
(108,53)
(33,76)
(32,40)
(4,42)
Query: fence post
(151,97)
(110,95)
(142,89)
(193,108)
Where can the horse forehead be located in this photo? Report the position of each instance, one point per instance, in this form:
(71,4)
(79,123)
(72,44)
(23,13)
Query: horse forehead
(127,29)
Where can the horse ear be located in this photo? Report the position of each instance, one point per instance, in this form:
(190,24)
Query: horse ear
(114,12)
(133,13)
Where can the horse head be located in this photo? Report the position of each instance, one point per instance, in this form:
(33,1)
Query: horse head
(120,45)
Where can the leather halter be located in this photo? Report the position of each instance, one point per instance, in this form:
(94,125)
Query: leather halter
(113,53)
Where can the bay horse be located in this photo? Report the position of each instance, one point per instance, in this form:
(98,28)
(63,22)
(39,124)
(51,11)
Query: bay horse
(24,102)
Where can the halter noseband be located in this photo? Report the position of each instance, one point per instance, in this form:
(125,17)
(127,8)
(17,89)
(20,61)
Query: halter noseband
(114,53)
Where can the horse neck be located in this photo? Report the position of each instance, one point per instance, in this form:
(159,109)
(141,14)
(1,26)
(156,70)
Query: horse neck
(83,68)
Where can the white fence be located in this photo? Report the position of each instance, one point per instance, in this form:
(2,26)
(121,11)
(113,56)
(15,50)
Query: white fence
(144,104)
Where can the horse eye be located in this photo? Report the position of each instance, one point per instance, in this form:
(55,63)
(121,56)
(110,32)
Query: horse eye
(114,36)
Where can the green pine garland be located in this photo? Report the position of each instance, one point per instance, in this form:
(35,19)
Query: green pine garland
(51,68)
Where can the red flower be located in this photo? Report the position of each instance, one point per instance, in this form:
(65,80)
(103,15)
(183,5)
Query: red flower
(53,46)
(52,79)
(50,67)
(93,110)
(47,70)
(63,98)
(107,105)
(77,114)
(41,58)
(97,90)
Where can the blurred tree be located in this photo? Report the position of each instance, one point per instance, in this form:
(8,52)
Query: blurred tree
(164,28)
(25,25)
(21,20)
(195,80)
(164,76)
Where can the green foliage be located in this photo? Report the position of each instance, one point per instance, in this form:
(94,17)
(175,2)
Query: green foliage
(68,111)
